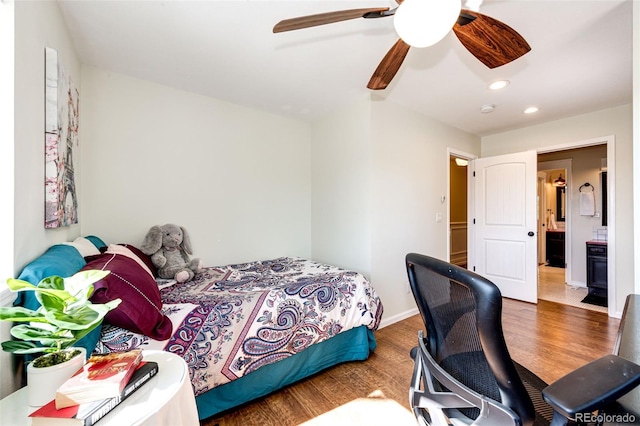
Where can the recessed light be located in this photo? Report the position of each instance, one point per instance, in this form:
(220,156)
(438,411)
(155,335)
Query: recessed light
(485,109)
(499,84)
(531,110)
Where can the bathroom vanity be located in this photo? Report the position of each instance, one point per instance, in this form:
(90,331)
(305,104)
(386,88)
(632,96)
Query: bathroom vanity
(597,268)
(555,248)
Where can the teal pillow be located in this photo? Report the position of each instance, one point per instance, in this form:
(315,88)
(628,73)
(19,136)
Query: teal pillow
(96,241)
(62,260)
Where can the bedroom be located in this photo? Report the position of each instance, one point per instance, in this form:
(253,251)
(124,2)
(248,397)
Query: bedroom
(333,216)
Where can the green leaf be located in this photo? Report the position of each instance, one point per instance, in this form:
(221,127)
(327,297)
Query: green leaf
(19,285)
(80,285)
(52,287)
(20,314)
(20,347)
(46,336)
(79,334)
(51,293)
(81,317)
(66,314)
(75,319)
(53,282)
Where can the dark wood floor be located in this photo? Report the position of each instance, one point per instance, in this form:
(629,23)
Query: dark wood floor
(549,338)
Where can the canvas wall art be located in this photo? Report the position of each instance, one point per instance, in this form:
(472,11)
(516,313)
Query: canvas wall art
(61,142)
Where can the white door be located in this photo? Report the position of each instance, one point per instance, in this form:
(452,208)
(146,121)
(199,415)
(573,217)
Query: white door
(505,223)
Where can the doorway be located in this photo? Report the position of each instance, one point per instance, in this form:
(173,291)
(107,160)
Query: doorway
(458,190)
(562,269)
(554,214)
(459,199)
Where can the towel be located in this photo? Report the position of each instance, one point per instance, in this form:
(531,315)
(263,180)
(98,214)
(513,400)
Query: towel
(587,204)
(552,222)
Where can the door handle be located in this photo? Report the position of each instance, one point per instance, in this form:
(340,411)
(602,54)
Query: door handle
(531,233)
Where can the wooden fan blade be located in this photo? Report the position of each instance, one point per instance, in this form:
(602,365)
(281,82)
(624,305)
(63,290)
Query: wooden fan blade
(324,18)
(494,43)
(389,66)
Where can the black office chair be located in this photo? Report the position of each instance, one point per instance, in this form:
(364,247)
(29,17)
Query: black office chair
(463,373)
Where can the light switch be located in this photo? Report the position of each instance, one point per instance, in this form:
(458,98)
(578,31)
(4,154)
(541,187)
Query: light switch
(438,217)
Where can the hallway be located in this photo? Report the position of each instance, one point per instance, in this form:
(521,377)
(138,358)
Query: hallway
(552,287)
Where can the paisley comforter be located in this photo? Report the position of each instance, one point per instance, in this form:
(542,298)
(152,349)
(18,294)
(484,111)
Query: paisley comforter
(229,321)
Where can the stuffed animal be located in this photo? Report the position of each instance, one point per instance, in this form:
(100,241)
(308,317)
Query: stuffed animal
(169,247)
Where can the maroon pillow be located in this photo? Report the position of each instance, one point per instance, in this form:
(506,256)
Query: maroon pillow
(144,257)
(140,309)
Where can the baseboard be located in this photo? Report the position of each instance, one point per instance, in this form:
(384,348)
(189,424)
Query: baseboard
(398,317)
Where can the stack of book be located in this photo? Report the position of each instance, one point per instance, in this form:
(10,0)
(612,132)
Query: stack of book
(96,389)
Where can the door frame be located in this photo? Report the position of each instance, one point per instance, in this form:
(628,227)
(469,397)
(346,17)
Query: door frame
(563,164)
(451,152)
(542,216)
(611,208)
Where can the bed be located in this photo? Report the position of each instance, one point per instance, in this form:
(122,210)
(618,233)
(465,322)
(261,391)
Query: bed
(245,330)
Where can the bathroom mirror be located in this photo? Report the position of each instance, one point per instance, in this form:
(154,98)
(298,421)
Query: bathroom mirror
(561,192)
(603,182)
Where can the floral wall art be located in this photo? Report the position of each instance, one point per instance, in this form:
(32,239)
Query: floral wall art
(61,140)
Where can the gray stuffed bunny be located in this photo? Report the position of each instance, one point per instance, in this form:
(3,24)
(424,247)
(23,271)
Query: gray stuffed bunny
(169,247)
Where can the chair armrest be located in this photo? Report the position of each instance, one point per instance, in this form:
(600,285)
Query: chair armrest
(592,386)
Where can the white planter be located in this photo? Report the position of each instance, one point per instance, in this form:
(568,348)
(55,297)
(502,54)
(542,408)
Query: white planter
(43,382)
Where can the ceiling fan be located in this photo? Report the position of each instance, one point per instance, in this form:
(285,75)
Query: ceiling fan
(492,42)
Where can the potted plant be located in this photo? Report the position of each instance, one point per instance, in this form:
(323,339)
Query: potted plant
(65,316)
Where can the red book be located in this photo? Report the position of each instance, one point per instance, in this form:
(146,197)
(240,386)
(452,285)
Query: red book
(103,376)
(89,413)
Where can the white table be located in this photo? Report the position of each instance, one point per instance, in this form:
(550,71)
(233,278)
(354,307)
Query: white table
(166,399)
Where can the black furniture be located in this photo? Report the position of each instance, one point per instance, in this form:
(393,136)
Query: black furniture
(628,347)
(597,268)
(555,248)
(463,370)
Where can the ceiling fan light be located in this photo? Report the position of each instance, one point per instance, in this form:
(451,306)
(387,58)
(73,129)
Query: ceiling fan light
(423,23)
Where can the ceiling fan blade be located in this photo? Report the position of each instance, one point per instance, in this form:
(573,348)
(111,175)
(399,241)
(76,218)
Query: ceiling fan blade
(389,66)
(494,43)
(325,18)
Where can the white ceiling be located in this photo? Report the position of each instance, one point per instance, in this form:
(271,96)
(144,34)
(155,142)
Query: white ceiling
(581,57)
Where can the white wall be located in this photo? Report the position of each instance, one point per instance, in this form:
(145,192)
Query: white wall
(7,52)
(38,24)
(238,179)
(636,140)
(6,177)
(613,121)
(379,171)
(341,190)
(33,26)
(409,169)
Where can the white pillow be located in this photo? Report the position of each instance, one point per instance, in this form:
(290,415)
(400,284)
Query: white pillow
(84,246)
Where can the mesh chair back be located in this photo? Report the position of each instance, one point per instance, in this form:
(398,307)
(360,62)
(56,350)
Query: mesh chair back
(462,315)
